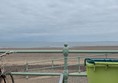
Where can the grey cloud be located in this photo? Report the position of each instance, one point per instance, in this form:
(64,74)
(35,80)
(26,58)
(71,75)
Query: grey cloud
(57,17)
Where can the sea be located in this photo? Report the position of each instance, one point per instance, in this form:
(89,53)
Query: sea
(55,44)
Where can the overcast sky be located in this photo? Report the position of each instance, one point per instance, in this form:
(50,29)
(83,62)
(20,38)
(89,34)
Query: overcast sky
(58,20)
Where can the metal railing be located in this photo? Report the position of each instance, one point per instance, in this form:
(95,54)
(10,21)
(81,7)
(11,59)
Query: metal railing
(65,74)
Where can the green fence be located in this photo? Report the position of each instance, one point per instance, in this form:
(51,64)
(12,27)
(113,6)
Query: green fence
(57,69)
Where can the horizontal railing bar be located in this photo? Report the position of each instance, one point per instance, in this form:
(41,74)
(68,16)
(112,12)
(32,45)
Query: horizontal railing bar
(55,67)
(81,74)
(35,74)
(32,51)
(46,68)
(59,51)
(54,59)
(93,51)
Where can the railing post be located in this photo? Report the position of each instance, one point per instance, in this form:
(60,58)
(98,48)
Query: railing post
(61,80)
(26,69)
(79,67)
(106,55)
(52,64)
(65,53)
